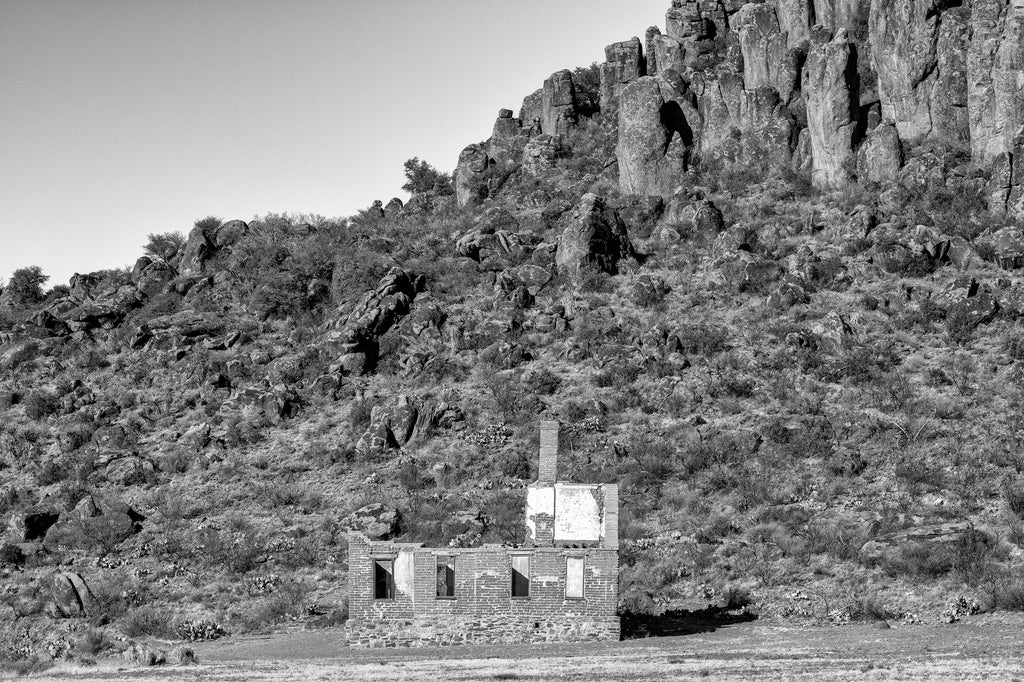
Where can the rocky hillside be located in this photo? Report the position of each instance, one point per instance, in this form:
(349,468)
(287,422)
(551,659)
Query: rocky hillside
(762,265)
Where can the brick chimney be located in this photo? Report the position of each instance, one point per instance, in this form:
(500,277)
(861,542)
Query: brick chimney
(548,470)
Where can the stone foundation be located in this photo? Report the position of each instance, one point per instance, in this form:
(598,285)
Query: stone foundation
(478,630)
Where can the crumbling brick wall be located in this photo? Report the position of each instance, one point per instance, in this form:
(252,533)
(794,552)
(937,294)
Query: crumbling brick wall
(483,609)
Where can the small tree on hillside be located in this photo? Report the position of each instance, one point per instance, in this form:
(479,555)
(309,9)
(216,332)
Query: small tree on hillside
(422,178)
(164,245)
(26,285)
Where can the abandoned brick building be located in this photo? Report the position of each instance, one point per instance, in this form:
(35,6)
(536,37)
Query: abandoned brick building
(562,584)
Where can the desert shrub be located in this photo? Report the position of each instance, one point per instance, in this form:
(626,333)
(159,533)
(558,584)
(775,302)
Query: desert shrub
(869,609)
(959,326)
(165,245)
(617,374)
(587,84)
(515,465)
(918,560)
(701,339)
(238,549)
(503,517)
(41,403)
(93,641)
(148,621)
(736,597)
(974,555)
(288,601)
(1013,497)
(543,382)
(1007,593)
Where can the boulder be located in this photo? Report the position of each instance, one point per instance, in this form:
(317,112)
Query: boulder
(1008,244)
(935,535)
(595,236)
(995,99)
(199,248)
(880,157)
(639,213)
(71,595)
(151,277)
(393,209)
(130,470)
(95,520)
(230,233)
(558,103)
(624,63)
(32,523)
(918,49)
(471,175)
(358,335)
(376,521)
(693,216)
(829,89)
(788,295)
(391,426)
(748,272)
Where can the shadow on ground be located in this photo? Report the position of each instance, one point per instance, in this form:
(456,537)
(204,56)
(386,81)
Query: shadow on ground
(675,623)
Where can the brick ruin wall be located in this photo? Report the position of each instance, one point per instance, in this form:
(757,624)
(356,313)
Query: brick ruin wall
(483,610)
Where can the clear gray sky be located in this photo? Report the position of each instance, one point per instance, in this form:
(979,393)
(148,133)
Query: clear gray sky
(119,118)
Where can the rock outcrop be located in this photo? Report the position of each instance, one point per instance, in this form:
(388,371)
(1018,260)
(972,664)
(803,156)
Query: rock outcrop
(749,127)
(829,87)
(880,157)
(558,104)
(655,138)
(72,597)
(391,426)
(767,58)
(595,237)
(995,59)
(918,49)
(358,339)
(471,175)
(624,63)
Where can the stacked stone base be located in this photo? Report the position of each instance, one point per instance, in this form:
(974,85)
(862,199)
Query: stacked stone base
(478,630)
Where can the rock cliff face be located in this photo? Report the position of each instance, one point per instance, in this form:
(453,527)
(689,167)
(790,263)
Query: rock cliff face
(995,76)
(841,90)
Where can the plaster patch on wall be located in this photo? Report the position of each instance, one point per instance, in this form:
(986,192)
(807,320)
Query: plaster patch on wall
(579,517)
(404,578)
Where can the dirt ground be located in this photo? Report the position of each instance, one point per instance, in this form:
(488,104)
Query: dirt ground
(973,650)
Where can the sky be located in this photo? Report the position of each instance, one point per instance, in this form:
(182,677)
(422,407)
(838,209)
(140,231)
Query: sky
(121,118)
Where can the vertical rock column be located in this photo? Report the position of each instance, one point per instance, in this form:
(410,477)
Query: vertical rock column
(995,77)
(651,151)
(624,64)
(767,60)
(828,85)
(558,103)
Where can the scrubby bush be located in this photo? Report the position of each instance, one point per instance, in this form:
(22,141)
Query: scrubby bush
(148,621)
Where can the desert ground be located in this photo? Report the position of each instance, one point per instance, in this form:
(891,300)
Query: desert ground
(975,650)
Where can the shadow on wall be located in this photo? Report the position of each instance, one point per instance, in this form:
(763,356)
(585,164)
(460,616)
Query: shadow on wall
(678,623)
